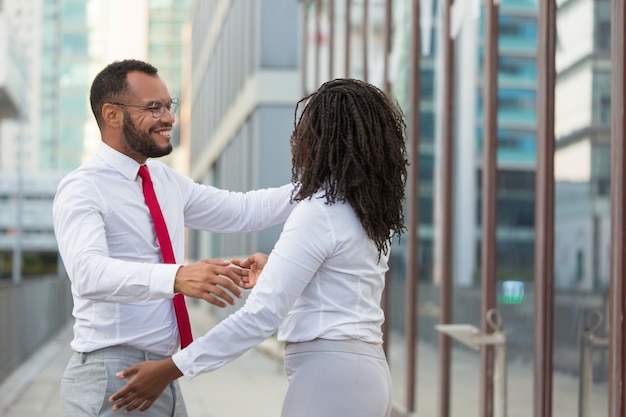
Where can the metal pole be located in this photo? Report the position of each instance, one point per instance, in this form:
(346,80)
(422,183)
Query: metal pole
(447,186)
(348,25)
(499,381)
(544,210)
(588,344)
(305,47)
(331,38)
(586,374)
(617,291)
(489,177)
(387,41)
(19,197)
(412,208)
(365,28)
(386,302)
(318,29)
(586,365)
(494,321)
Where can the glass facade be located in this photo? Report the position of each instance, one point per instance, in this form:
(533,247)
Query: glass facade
(582,206)
(64,106)
(165,40)
(243,92)
(516,131)
(516,134)
(515,211)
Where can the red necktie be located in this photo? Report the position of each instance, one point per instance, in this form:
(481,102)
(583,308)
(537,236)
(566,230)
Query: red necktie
(182,317)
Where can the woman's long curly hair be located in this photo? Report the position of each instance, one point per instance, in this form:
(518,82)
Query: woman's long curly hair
(349,141)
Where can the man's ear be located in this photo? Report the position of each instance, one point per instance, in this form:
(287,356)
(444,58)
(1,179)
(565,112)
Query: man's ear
(112,115)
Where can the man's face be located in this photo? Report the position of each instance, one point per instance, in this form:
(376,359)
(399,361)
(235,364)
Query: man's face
(144,136)
(140,139)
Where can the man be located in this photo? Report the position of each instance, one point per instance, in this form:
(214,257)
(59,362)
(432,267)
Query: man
(112,249)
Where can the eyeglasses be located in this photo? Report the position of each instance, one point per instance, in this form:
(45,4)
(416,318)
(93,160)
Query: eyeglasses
(157,107)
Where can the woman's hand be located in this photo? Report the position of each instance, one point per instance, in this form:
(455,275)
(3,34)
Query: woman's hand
(148,381)
(255,265)
(212,280)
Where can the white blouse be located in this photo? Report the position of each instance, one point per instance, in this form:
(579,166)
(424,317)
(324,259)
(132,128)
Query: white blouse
(322,280)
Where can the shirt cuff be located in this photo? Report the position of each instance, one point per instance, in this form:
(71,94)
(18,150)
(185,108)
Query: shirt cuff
(184,363)
(162,280)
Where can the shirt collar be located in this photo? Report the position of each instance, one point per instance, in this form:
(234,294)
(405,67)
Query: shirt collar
(126,165)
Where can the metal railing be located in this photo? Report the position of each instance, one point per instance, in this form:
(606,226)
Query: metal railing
(544,195)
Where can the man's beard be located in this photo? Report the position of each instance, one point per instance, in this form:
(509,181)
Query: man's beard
(141,142)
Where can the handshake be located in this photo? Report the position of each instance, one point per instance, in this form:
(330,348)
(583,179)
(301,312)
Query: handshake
(218,281)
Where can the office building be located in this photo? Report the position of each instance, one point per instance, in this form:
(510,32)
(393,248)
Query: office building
(45,139)
(241,102)
(27,245)
(582,156)
(516,125)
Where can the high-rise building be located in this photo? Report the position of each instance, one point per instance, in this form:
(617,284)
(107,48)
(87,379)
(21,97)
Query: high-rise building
(242,95)
(582,156)
(516,121)
(27,244)
(46,140)
(516,116)
(167,37)
(64,72)
(517,83)
(22,46)
(56,48)
(166,19)
(14,97)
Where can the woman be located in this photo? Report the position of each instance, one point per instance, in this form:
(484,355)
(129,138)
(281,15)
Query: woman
(322,284)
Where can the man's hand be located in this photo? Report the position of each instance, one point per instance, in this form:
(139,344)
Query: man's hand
(212,280)
(254,265)
(148,381)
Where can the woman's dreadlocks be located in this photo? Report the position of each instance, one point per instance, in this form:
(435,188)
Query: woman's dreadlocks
(349,142)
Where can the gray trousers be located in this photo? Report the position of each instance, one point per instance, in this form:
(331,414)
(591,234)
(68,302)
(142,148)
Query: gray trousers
(89,380)
(329,378)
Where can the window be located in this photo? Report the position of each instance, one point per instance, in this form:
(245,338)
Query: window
(605,109)
(603,35)
(427,126)
(519,141)
(513,99)
(74,44)
(519,67)
(74,13)
(518,26)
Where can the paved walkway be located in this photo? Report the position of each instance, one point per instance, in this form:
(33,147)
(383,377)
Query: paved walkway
(253,385)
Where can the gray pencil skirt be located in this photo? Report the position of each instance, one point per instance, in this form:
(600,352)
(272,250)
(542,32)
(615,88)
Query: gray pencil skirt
(89,380)
(337,378)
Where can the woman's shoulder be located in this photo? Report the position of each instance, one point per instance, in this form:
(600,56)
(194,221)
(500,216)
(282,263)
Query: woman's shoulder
(318,206)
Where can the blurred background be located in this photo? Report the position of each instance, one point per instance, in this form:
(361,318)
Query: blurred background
(239,67)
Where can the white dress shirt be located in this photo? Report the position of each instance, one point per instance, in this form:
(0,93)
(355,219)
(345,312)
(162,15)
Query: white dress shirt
(121,289)
(322,280)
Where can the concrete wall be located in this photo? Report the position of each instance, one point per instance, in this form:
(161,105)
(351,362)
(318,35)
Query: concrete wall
(30,313)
